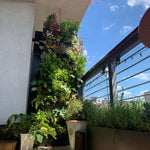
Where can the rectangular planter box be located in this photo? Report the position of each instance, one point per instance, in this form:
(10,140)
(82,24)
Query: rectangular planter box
(100,138)
(7,145)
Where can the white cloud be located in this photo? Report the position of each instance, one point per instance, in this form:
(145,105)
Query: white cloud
(126,93)
(114,8)
(108,27)
(119,87)
(145,3)
(126,29)
(85,52)
(142,92)
(143,76)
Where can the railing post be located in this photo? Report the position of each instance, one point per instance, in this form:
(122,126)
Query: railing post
(81,92)
(112,81)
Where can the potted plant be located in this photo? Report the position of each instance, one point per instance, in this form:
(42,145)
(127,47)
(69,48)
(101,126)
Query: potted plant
(30,128)
(76,119)
(119,126)
(16,124)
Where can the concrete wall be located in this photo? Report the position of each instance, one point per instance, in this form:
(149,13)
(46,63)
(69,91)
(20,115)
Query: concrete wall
(16,29)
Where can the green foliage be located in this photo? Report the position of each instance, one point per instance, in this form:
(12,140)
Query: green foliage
(133,116)
(61,68)
(146,116)
(75,109)
(35,124)
(63,31)
(62,63)
(40,127)
(16,124)
(95,115)
(68,30)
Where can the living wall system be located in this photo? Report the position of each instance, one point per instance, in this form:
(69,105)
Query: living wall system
(61,68)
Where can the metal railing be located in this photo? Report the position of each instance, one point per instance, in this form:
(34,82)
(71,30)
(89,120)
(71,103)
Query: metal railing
(124,73)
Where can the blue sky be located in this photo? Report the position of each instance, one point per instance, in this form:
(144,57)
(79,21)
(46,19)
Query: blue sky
(105,24)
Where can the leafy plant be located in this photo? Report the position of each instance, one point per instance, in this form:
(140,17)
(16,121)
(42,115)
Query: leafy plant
(35,124)
(120,115)
(16,124)
(61,65)
(40,127)
(146,115)
(61,68)
(75,109)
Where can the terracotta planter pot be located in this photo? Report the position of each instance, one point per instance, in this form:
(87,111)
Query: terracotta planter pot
(73,126)
(7,145)
(100,138)
(27,141)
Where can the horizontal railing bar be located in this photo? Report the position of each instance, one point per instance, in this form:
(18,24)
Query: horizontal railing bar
(97,91)
(121,49)
(134,86)
(104,95)
(133,75)
(97,78)
(133,65)
(136,96)
(96,85)
(133,54)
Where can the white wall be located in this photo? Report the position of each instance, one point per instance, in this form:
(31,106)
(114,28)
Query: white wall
(16,29)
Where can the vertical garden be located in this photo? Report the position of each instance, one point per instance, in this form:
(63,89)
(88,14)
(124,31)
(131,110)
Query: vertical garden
(62,66)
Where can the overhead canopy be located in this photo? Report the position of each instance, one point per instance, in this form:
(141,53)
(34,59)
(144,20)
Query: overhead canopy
(70,9)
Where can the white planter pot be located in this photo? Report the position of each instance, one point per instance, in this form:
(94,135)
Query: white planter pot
(27,141)
(73,126)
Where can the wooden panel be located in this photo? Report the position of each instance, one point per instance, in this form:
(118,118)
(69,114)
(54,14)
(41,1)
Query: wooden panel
(79,141)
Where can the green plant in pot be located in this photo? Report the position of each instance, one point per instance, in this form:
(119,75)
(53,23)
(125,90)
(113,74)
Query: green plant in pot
(16,124)
(32,128)
(75,109)
(119,122)
(76,117)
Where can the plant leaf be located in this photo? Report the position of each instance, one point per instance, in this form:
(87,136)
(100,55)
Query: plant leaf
(39,138)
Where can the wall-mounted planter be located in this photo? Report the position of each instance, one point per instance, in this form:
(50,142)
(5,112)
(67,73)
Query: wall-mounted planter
(73,126)
(100,138)
(7,145)
(27,141)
